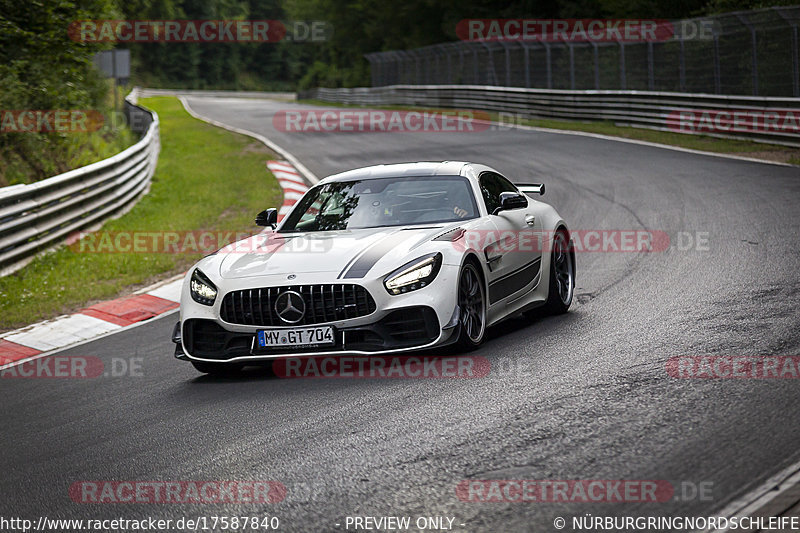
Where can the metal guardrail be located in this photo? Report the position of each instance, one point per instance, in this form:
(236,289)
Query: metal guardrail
(653,110)
(270,95)
(39,216)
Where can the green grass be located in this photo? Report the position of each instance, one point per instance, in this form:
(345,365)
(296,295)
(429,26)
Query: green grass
(43,158)
(87,148)
(37,156)
(207,178)
(695,142)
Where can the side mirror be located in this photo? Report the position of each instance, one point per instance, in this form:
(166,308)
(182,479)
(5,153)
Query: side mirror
(532,188)
(268,217)
(511,200)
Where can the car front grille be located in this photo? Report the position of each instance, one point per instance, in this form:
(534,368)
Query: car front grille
(327,302)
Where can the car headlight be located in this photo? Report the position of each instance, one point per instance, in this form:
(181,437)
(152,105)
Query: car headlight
(203,291)
(413,275)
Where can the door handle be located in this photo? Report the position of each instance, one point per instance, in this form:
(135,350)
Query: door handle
(530,220)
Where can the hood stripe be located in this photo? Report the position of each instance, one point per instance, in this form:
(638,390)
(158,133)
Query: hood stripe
(352,260)
(368,258)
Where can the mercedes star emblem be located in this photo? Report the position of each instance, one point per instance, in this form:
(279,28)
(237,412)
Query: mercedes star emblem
(290,306)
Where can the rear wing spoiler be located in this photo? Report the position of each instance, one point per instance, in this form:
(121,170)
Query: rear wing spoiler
(531,188)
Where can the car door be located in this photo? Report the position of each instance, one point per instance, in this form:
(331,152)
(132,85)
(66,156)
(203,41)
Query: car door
(512,251)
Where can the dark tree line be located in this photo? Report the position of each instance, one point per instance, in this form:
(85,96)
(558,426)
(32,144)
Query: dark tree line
(42,68)
(358,27)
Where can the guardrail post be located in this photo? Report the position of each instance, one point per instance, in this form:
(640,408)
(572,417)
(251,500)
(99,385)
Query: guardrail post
(397,63)
(682,64)
(651,74)
(373,69)
(571,66)
(449,67)
(527,55)
(623,82)
(461,63)
(795,63)
(795,59)
(549,61)
(476,70)
(717,81)
(754,51)
(508,63)
(492,71)
(596,54)
(439,77)
(408,69)
(755,61)
(401,67)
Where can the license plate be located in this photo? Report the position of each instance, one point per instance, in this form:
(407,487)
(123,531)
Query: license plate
(319,336)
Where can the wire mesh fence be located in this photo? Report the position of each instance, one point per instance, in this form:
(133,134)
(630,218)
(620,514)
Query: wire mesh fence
(741,53)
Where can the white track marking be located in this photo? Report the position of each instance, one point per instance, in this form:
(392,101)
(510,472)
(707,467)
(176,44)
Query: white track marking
(61,332)
(87,341)
(170,291)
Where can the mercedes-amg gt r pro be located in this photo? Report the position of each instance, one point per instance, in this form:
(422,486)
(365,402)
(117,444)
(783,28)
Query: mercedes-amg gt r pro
(379,260)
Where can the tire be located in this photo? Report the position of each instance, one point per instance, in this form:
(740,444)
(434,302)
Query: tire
(217,369)
(562,275)
(472,305)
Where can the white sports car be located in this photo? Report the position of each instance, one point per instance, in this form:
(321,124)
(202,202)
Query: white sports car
(378,260)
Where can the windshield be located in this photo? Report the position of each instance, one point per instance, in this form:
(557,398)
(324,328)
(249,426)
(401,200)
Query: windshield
(383,202)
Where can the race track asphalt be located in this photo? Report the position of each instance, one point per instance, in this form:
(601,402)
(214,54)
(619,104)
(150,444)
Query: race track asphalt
(580,396)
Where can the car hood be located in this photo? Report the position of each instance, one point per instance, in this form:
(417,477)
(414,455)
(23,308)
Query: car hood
(355,251)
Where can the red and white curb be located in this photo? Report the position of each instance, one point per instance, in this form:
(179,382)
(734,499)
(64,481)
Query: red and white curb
(94,321)
(293,185)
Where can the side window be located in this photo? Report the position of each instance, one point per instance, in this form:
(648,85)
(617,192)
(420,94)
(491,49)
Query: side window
(313,210)
(491,186)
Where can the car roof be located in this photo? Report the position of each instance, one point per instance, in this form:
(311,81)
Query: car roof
(422,168)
